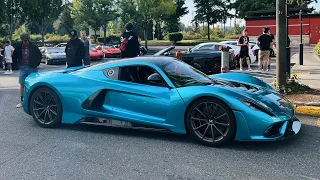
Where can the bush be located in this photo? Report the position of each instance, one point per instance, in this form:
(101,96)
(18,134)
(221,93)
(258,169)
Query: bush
(192,35)
(317,49)
(175,37)
(56,38)
(109,40)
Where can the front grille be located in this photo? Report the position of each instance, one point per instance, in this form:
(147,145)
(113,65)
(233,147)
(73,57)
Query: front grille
(273,130)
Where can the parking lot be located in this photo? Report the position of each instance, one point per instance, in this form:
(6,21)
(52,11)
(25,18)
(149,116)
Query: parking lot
(73,151)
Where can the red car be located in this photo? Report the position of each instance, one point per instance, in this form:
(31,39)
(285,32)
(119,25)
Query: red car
(96,53)
(111,52)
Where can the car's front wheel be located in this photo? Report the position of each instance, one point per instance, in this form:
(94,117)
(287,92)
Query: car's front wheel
(210,122)
(46,108)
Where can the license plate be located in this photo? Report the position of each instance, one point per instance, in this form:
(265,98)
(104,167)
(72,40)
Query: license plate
(112,122)
(296,126)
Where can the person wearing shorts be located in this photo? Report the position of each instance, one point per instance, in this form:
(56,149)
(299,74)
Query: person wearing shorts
(243,42)
(8,50)
(28,57)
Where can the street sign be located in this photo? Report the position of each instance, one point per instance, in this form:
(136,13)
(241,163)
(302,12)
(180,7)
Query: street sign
(111,24)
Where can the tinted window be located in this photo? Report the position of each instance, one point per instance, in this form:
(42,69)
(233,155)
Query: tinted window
(112,73)
(136,74)
(206,47)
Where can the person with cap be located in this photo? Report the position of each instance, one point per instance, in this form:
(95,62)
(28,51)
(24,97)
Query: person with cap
(87,45)
(75,50)
(8,51)
(28,57)
(130,46)
(264,41)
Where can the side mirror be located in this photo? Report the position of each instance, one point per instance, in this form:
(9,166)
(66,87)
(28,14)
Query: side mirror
(167,54)
(189,49)
(155,79)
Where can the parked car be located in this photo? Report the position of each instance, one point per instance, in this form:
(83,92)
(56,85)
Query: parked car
(110,51)
(96,53)
(61,45)
(53,55)
(236,48)
(162,93)
(15,65)
(206,57)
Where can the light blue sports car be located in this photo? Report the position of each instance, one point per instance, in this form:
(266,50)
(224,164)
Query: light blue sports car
(162,93)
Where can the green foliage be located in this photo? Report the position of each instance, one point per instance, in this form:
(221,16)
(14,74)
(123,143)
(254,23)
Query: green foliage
(172,21)
(175,37)
(64,23)
(293,85)
(317,49)
(237,29)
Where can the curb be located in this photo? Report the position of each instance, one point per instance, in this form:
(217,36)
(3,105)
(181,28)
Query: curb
(307,110)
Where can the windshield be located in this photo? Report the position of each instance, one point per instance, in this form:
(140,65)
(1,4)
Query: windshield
(54,50)
(181,74)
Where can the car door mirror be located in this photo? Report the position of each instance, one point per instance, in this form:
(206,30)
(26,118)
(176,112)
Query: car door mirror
(189,49)
(167,54)
(155,79)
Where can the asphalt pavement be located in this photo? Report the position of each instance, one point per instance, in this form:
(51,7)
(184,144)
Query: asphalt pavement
(28,151)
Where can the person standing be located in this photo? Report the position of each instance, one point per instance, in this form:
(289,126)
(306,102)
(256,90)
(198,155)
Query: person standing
(29,58)
(243,42)
(271,50)
(75,50)
(130,46)
(8,51)
(264,41)
(86,42)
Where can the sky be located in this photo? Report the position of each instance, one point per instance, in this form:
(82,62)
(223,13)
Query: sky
(188,17)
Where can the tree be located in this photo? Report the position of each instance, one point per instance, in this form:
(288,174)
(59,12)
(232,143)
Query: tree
(12,15)
(209,11)
(64,23)
(164,9)
(96,13)
(43,13)
(172,21)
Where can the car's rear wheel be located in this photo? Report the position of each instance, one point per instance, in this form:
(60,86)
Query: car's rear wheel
(46,107)
(210,122)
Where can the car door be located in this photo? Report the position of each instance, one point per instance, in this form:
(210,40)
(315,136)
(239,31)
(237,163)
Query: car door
(133,99)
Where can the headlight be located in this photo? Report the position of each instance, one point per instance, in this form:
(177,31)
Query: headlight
(255,106)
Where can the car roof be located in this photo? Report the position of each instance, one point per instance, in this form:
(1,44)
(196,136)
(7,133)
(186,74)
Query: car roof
(159,61)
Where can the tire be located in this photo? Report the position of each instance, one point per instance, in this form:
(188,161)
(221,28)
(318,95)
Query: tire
(207,116)
(46,108)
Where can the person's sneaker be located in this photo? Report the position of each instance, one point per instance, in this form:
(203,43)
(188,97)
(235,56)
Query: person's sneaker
(10,72)
(7,72)
(19,105)
(249,69)
(241,69)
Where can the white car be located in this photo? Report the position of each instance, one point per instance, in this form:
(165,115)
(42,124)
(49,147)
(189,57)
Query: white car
(233,45)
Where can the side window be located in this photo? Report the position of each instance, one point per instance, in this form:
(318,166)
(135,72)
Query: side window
(205,47)
(112,73)
(137,74)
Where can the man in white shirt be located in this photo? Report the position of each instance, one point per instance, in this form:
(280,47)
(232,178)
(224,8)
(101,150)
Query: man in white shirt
(8,51)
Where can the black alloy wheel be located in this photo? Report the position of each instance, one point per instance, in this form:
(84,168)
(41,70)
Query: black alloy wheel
(46,108)
(210,122)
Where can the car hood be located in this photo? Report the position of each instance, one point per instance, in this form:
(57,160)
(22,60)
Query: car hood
(266,98)
(56,55)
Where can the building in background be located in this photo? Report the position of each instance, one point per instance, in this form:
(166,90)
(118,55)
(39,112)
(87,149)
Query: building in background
(310,25)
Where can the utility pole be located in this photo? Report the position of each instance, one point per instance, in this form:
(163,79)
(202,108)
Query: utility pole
(301,43)
(281,43)
(288,50)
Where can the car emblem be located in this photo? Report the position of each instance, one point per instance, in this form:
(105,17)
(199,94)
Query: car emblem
(110,72)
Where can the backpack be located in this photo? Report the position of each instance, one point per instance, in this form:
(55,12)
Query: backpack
(124,43)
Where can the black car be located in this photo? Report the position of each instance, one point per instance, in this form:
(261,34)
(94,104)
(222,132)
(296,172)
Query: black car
(53,55)
(206,57)
(15,65)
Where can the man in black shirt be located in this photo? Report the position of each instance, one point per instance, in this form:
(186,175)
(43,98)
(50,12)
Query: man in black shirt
(75,50)
(130,46)
(243,42)
(264,42)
